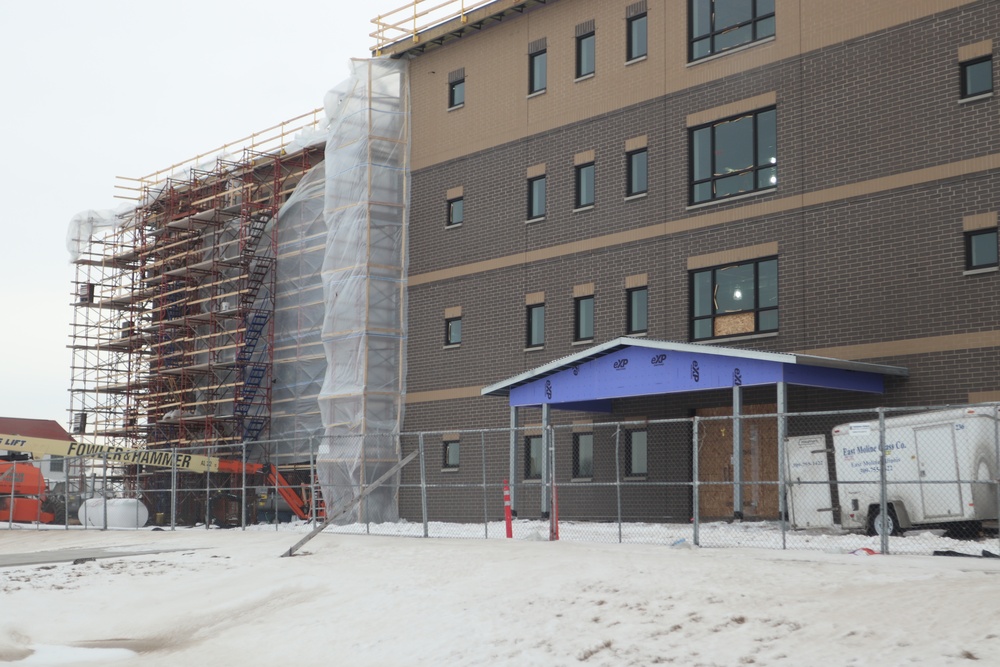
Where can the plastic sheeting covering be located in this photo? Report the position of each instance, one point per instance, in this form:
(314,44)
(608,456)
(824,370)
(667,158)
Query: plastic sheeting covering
(340,311)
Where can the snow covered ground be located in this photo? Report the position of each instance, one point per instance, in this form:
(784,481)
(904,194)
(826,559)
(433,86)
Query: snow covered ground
(225,597)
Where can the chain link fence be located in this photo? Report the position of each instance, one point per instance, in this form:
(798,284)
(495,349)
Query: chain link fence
(916,481)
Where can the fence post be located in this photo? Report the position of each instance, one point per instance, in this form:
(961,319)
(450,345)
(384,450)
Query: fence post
(513,460)
(996,460)
(486,516)
(695,500)
(173,489)
(618,478)
(208,494)
(312,481)
(423,483)
(66,465)
(243,486)
(782,463)
(883,497)
(104,491)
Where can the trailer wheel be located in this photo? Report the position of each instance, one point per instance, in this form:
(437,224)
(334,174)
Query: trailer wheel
(875,521)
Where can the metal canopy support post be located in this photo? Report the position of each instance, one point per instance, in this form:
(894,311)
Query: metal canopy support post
(546,416)
(695,500)
(737,453)
(513,461)
(782,463)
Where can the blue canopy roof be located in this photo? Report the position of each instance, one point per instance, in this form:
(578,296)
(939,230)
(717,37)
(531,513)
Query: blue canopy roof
(625,367)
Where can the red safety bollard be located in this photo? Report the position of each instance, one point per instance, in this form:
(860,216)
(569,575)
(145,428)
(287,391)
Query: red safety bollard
(506,510)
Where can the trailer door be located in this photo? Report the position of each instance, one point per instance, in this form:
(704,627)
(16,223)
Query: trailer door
(938,468)
(809,498)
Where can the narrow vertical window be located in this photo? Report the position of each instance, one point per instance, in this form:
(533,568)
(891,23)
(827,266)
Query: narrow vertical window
(456,88)
(636,177)
(981,249)
(585,185)
(537,63)
(637,306)
(583,455)
(533,457)
(636,38)
(536,325)
(637,453)
(456,211)
(453,331)
(977,77)
(536,198)
(583,309)
(450,452)
(585,45)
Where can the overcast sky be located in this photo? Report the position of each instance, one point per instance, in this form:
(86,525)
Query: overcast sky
(102,88)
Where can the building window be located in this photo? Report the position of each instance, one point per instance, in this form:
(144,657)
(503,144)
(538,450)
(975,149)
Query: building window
(636,452)
(585,55)
(977,77)
(718,25)
(981,249)
(585,185)
(533,457)
(456,93)
(733,156)
(536,198)
(56,464)
(456,211)
(536,325)
(450,451)
(453,331)
(735,299)
(536,72)
(636,38)
(583,455)
(583,328)
(637,308)
(637,168)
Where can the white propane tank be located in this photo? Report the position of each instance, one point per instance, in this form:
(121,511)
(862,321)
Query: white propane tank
(122,513)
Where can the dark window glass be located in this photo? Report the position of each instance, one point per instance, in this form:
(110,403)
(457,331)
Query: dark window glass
(718,25)
(583,455)
(636,37)
(536,325)
(584,318)
(637,173)
(456,211)
(536,72)
(734,156)
(453,331)
(456,93)
(981,249)
(585,185)
(533,457)
(977,77)
(637,309)
(636,452)
(450,455)
(536,198)
(56,464)
(735,300)
(585,55)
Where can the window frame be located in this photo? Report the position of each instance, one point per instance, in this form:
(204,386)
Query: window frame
(755,170)
(969,236)
(534,73)
(580,172)
(965,93)
(528,441)
(630,452)
(446,447)
(629,310)
(448,340)
(586,38)
(530,312)
(630,22)
(454,86)
(630,171)
(577,472)
(714,31)
(451,221)
(531,197)
(578,318)
(713,289)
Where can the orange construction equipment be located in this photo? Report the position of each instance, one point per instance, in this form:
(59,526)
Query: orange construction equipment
(22,492)
(300,506)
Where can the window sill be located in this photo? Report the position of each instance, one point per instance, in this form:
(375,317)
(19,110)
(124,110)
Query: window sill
(531,480)
(531,220)
(584,77)
(638,334)
(585,341)
(977,272)
(976,98)
(453,226)
(456,107)
(588,207)
(451,346)
(638,59)
(723,200)
(735,49)
(536,93)
(534,349)
(638,195)
(583,479)
(636,478)
(449,470)
(734,339)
